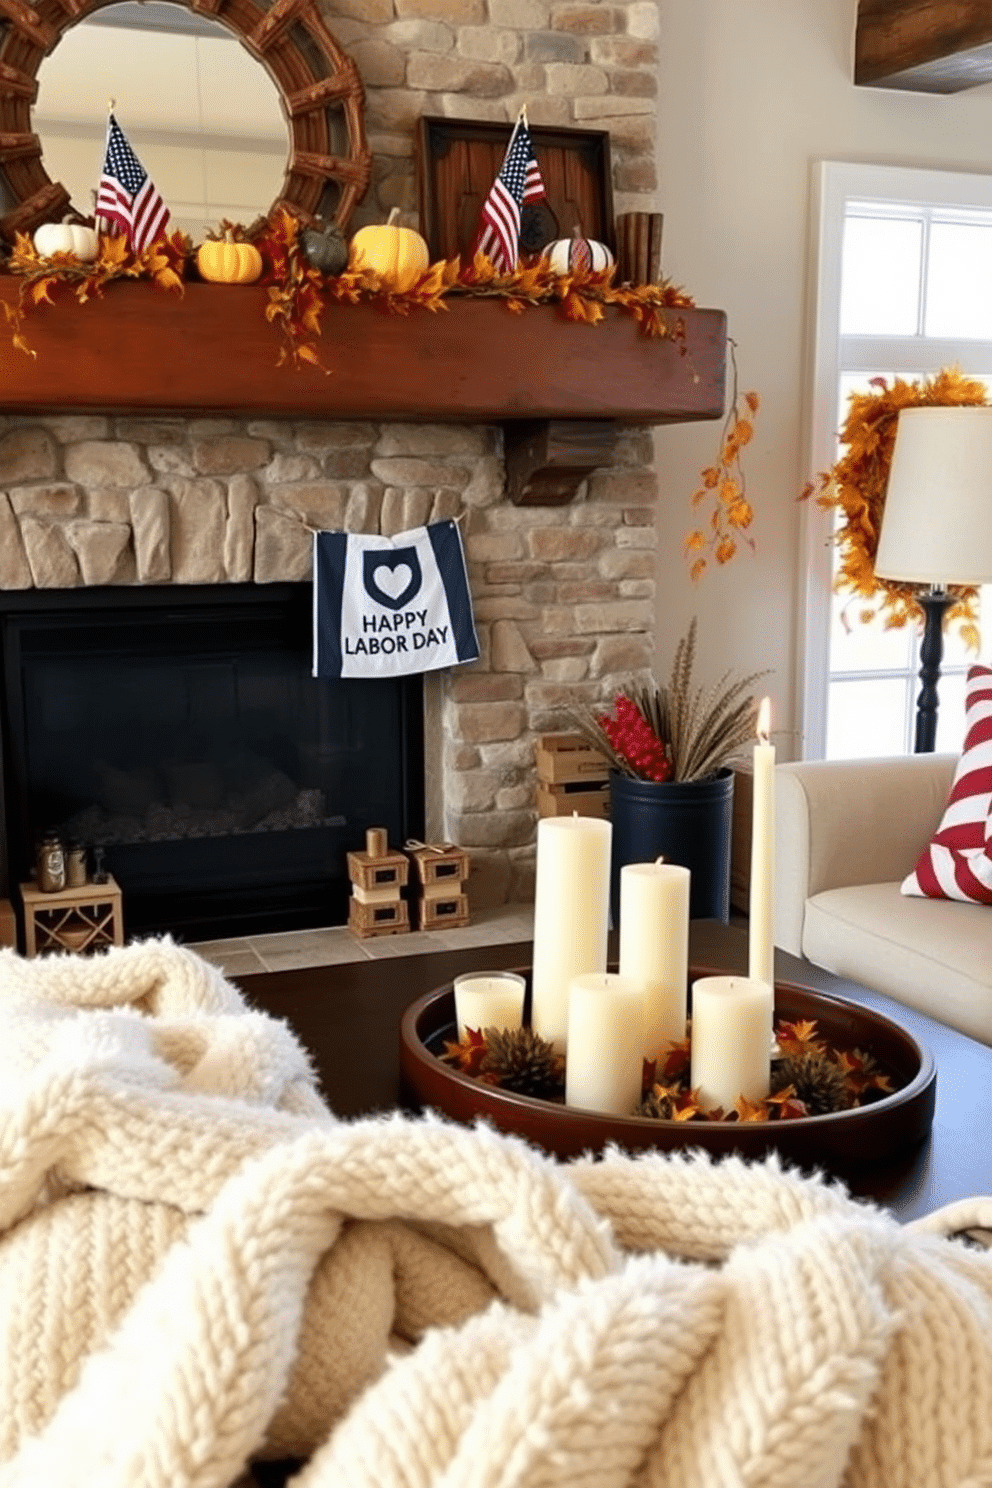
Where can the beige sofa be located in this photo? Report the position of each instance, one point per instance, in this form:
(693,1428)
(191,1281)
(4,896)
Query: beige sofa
(847,833)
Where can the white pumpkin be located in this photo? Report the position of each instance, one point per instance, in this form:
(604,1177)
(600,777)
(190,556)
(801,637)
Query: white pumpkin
(67,237)
(570,254)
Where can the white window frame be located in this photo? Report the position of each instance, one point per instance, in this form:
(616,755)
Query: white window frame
(834,185)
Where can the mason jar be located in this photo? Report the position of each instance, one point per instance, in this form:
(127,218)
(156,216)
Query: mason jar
(75,865)
(50,864)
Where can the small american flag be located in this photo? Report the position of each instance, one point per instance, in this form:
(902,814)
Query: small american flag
(127,198)
(518,183)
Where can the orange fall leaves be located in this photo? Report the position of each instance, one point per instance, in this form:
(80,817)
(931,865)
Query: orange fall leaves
(723,485)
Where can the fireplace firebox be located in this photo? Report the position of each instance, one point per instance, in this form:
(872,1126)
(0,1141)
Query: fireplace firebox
(179,731)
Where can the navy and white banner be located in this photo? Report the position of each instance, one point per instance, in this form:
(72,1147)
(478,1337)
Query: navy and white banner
(383,606)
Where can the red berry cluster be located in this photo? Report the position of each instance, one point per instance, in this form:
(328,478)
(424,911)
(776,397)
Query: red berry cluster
(635,741)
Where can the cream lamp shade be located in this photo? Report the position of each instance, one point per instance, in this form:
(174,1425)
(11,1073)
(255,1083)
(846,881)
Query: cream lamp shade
(937,522)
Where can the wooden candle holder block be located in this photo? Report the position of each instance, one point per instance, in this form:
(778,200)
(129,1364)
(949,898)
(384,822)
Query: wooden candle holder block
(441,911)
(377,877)
(439,864)
(365,920)
(391,870)
(439,870)
(377,867)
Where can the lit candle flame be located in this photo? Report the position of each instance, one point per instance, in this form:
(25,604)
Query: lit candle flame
(764,720)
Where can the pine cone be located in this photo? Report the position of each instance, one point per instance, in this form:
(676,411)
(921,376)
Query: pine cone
(658,1103)
(817,1078)
(523,1062)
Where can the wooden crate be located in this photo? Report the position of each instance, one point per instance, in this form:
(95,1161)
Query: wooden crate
(440,912)
(84,919)
(560,800)
(566,759)
(365,920)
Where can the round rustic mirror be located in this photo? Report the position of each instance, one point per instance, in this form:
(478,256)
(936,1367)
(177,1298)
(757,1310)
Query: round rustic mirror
(51,137)
(202,116)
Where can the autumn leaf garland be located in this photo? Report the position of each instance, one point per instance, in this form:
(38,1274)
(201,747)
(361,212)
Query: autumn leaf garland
(298,294)
(164,262)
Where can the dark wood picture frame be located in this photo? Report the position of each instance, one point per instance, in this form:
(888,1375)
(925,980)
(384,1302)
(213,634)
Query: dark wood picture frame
(459,159)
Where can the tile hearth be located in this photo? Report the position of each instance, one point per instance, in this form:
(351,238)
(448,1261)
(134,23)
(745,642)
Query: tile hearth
(293,949)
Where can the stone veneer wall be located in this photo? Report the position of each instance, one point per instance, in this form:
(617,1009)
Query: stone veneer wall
(576,63)
(564,596)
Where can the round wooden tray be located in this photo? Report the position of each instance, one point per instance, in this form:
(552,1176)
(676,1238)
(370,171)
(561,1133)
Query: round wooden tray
(843,1144)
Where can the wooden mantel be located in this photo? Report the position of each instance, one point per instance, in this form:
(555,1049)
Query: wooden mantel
(923,46)
(211,351)
(562,390)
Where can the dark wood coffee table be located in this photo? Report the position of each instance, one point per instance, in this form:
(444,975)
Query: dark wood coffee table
(348,1016)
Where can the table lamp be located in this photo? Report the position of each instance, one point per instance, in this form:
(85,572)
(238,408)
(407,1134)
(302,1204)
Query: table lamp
(937,525)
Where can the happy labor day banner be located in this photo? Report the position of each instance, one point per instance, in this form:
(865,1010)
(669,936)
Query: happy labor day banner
(385,606)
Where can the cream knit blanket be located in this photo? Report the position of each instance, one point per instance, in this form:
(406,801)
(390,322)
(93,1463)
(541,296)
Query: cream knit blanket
(199,1265)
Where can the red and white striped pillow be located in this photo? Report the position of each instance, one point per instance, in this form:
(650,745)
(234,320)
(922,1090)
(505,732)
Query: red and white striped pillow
(957,861)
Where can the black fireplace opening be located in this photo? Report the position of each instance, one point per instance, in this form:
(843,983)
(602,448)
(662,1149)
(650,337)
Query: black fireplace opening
(179,732)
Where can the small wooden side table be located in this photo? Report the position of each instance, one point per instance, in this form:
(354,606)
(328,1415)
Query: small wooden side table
(83,919)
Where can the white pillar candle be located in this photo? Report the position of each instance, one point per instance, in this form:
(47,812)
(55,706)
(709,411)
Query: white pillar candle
(489,1000)
(731,1050)
(605,1057)
(571,914)
(654,947)
(761,909)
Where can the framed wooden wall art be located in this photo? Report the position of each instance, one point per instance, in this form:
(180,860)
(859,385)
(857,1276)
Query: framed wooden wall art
(458,160)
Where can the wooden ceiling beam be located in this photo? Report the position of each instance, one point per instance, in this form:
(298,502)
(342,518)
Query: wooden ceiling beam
(923,46)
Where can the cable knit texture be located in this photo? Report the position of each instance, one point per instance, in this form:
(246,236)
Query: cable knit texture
(200,1266)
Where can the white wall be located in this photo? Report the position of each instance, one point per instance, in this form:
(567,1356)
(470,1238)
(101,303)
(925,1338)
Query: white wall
(750,95)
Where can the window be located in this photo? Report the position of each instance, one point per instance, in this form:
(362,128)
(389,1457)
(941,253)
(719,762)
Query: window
(903,287)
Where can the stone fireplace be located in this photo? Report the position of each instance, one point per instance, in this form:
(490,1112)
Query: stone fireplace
(153,441)
(562,596)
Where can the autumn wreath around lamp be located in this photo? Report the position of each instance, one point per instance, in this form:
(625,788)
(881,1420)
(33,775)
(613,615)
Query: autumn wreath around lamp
(857,489)
(671,749)
(937,526)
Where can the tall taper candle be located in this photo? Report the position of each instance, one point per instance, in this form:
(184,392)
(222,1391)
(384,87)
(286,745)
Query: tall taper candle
(761,912)
(731,1049)
(654,947)
(571,914)
(605,1044)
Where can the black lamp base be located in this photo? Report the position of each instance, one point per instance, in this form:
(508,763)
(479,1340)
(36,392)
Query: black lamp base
(935,604)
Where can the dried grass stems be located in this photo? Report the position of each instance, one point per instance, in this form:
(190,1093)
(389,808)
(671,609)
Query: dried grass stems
(704,729)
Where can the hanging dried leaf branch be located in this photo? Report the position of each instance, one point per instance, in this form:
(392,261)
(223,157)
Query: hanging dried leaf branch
(724,486)
(855,488)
